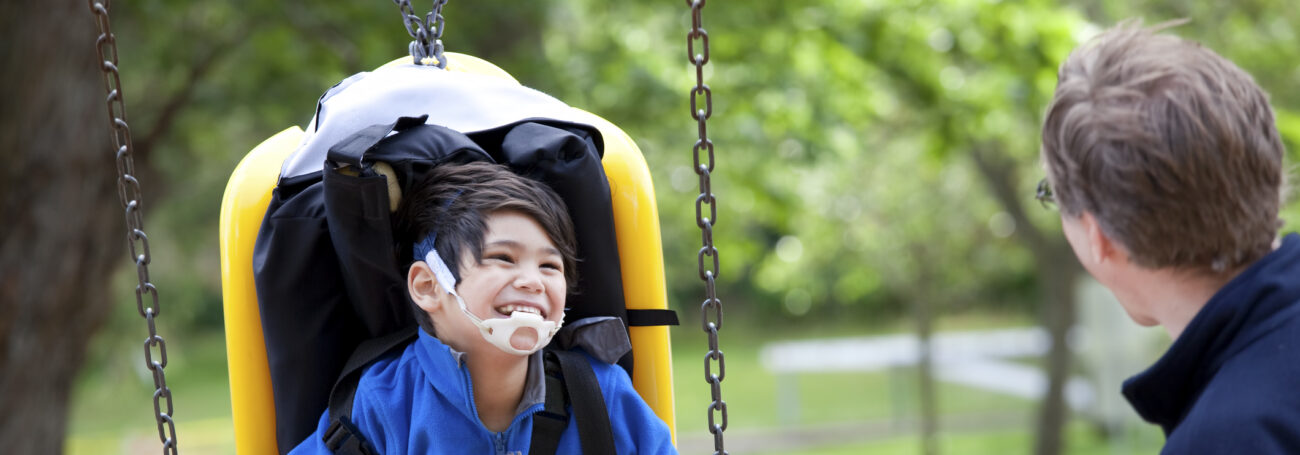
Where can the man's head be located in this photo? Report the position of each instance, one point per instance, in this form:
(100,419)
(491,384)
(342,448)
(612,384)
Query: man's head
(1169,148)
(458,206)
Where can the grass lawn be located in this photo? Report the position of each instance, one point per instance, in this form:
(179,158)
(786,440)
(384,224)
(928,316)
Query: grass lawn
(112,407)
(857,413)
(1082,442)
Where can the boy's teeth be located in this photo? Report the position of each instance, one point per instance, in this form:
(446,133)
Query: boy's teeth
(508,309)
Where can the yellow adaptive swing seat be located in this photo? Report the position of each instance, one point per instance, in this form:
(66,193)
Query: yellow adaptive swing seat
(245,202)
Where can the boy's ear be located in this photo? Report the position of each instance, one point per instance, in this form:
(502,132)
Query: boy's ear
(423,287)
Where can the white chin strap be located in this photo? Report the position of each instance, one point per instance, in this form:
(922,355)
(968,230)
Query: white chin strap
(496,331)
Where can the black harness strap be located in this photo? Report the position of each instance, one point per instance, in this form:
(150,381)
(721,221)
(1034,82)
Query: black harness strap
(587,402)
(569,376)
(641,318)
(550,423)
(342,437)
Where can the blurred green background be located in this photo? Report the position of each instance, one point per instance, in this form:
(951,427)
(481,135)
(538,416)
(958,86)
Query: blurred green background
(876,162)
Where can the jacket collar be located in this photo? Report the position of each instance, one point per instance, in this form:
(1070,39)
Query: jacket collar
(446,372)
(1233,318)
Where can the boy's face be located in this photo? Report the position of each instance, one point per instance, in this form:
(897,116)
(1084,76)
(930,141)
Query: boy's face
(522,270)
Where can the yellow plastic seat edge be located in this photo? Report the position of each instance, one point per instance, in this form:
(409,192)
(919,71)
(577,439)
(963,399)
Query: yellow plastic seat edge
(242,207)
(640,249)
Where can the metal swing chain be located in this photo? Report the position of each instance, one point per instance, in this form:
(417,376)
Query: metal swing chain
(128,192)
(424,30)
(711,309)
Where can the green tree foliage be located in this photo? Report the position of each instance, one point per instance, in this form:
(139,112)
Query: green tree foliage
(844,129)
(842,132)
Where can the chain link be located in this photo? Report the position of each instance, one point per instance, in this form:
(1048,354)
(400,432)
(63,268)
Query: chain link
(711,309)
(422,30)
(128,193)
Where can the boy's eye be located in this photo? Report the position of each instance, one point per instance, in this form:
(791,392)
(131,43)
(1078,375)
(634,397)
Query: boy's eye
(552,265)
(500,257)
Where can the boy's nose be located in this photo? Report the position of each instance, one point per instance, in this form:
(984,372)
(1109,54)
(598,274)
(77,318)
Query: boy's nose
(529,282)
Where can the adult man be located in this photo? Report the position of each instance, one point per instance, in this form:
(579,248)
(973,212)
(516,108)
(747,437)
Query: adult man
(1167,167)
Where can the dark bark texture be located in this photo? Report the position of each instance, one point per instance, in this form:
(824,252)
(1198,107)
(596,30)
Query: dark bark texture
(62,230)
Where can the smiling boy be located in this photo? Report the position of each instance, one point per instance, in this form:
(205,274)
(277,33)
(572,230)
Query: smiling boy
(493,263)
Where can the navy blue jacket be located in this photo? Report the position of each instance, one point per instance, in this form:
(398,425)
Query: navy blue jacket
(1230,383)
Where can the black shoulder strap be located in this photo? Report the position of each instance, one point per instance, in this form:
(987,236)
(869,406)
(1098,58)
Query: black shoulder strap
(342,437)
(594,430)
(570,383)
(549,424)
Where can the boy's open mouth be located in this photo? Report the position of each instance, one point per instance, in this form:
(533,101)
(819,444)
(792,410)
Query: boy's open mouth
(506,310)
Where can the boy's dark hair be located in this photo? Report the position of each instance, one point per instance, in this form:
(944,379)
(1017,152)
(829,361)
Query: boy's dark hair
(453,201)
(1172,148)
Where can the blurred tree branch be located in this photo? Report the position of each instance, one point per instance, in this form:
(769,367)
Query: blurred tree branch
(180,99)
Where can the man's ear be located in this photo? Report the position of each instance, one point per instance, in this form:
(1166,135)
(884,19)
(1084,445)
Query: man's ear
(423,287)
(1101,247)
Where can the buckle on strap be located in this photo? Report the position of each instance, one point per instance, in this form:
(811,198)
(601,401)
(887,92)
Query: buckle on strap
(343,438)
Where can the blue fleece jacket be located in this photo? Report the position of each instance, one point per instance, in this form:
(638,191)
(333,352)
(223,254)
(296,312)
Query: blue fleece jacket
(1230,384)
(421,402)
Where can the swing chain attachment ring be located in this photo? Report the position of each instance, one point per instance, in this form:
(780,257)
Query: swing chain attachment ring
(423,30)
(711,309)
(128,192)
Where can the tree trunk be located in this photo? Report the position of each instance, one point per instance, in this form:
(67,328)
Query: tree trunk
(61,235)
(1058,316)
(1057,270)
(925,369)
(924,301)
